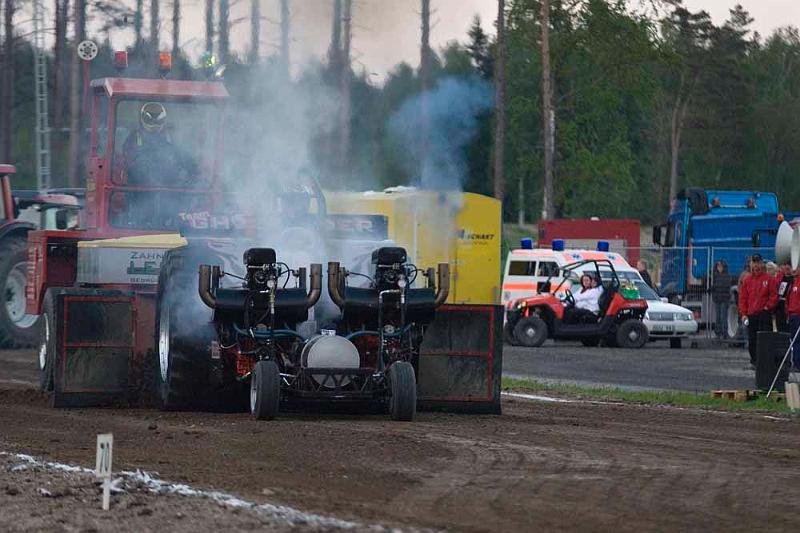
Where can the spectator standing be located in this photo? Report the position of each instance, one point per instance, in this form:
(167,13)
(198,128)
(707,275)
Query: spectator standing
(743,275)
(641,266)
(793,313)
(784,279)
(757,300)
(721,296)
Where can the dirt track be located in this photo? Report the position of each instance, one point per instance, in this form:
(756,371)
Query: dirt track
(540,465)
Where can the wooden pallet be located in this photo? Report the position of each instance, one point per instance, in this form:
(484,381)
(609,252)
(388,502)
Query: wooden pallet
(747,395)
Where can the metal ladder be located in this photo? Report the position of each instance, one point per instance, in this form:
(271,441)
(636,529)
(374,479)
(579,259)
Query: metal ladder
(40,77)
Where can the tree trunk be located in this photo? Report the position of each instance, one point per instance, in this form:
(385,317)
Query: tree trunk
(346,108)
(62,7)
(548,114)
(335,50)
(224,31)
(425,87)
(210,26)
(8,81)
(76,114)
(676,131)
(500,103)
(155,26)
(176,28)
(255,31)
(138,22)
(284,52)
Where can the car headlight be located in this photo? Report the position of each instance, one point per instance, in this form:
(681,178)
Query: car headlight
(686,317)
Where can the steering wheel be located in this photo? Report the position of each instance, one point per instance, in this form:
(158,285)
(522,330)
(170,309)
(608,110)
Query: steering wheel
(569,298)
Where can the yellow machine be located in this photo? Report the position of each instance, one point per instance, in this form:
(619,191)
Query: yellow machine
(462,229)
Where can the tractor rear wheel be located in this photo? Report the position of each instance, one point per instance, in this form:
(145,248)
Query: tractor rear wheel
(184,357)
(18,329)
(47,344)
(403,383)
(632,334)
(265,390)
(531,331)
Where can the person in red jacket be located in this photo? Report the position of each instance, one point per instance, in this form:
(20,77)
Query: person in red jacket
(757,300)
(793,313)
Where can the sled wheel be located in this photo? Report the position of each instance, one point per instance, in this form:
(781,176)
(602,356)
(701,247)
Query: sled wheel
(632,334)
(265,390)
(403,382)
(530,331)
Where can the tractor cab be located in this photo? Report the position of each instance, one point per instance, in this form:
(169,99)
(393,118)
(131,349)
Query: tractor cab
(154,153)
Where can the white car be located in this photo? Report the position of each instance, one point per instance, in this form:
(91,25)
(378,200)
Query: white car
(665,320)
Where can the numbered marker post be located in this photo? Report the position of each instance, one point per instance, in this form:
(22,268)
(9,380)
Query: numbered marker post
(105,445)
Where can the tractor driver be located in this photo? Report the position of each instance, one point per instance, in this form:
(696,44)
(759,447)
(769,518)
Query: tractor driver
(150,156)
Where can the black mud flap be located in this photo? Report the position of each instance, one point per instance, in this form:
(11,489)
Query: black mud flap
(93,344)
(461,360)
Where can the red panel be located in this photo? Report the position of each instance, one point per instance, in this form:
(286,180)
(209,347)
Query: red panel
(120,87)
(627,230)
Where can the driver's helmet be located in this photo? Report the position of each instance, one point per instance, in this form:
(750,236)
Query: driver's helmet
(153,116)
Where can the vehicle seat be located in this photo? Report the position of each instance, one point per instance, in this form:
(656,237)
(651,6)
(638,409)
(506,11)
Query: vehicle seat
(604,301)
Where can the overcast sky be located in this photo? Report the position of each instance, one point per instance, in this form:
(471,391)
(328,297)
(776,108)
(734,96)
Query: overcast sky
(387,31)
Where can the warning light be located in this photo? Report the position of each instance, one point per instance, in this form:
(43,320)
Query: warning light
(164,62)
(558,245)
(526,243)
(120,60)
(602,246)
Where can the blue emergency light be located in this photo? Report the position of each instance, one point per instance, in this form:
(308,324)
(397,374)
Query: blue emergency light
(526,243)
(558,245)
(602,246)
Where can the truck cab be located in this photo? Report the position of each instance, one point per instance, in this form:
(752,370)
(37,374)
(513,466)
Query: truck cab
(708,225)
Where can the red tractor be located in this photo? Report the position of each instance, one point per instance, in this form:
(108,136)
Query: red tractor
(20,213)
(125,319)
(530,321)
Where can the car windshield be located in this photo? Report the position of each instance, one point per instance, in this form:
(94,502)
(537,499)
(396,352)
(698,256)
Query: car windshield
(646,291)
(165,144)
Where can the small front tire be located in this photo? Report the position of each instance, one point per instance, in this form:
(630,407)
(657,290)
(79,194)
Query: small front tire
(403,383)
(530,331)
(632,334)
(265,390)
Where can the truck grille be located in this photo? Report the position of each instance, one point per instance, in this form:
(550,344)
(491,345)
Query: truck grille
(662,317)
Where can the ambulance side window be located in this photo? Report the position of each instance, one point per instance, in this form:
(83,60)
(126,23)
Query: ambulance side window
(521,268)
(547,269)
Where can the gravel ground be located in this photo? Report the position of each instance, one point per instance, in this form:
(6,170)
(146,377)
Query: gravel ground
(656,366)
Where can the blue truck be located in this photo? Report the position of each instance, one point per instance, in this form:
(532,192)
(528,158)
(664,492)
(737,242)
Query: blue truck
(704,226)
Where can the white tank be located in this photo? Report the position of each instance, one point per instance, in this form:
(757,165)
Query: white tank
(329,351)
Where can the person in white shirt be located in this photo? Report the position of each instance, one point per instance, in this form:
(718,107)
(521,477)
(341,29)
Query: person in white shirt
(587,300)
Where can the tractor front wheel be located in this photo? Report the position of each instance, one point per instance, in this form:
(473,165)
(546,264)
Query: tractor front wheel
(265,390)
(18,329)
(632,334)
(531,331)
(403,383)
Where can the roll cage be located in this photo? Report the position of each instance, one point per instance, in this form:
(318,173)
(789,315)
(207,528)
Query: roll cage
(570,268)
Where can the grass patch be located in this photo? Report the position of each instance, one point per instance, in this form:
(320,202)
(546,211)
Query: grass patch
(678,399)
